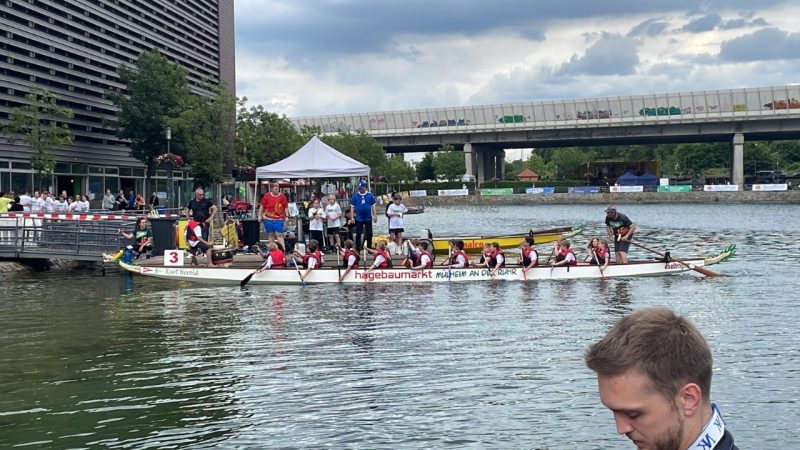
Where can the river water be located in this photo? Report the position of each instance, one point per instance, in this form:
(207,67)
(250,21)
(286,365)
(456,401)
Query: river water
(116,361)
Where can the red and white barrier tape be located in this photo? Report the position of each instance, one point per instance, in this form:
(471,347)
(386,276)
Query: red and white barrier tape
(82,216)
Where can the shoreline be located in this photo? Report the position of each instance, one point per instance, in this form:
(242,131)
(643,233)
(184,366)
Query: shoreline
(607,198)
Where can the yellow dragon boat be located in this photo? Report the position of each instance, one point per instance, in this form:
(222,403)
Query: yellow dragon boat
(474,244)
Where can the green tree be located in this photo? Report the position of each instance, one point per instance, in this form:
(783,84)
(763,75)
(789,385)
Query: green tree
(264,137)
(425,170)
(513,168)
(204,127)
(155,93)
(758,156)
(449,163)
(41,123)
(694,159)
(397,169)
(360,146)
(788,152)
(567,161)
(536,163)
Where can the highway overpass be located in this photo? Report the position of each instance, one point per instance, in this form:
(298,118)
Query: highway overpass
(484,131)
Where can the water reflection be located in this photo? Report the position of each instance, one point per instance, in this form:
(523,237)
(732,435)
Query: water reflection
(117,361)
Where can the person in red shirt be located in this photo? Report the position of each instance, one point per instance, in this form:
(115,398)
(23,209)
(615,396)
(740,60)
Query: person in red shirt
(272,213)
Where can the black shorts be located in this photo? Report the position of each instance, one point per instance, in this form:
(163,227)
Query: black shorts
(199,248)
(333,230)
(396,230)
(622,246)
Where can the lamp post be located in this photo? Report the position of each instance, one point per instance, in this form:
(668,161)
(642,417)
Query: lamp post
(169,171)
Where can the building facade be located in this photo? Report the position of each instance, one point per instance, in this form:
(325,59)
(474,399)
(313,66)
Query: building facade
(73,48)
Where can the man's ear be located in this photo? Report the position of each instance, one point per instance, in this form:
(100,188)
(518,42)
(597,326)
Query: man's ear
(690,398)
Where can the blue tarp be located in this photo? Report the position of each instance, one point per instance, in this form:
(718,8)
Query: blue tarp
(645,179)
(648,179)
(629,179)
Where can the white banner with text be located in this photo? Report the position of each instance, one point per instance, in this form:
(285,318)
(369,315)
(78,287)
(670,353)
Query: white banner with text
(770,187)
(453,192)
(626,189)
(721,187)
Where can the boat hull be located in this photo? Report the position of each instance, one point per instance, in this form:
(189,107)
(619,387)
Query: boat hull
(233,275)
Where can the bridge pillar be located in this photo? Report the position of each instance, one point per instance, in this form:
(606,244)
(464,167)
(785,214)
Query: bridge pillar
(469,160)
(480,158)
(501,164)
(737,160)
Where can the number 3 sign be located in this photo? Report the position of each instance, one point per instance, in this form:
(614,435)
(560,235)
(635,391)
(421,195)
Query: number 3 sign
(173,257)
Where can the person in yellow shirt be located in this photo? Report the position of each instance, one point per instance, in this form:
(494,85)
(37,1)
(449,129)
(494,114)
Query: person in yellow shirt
(4,201)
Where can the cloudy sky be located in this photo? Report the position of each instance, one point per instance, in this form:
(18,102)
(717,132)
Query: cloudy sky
(307,57)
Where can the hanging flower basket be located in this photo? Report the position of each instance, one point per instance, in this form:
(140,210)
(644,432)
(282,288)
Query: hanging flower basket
(168,161)
(247,173)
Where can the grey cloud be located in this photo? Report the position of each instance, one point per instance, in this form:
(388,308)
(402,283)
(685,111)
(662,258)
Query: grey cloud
(764,44)
(612,54)
(304,29)
(650,27)
(743,23)
(702,24)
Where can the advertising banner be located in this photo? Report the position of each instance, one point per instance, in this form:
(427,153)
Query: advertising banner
(721,187)
(681,188)
(626,189)
(418,193)
(584,190)
(497,191)
(453,192)
(541,190)
(770,187)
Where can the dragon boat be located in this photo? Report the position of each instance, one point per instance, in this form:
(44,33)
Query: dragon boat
(242,268)
(474,244)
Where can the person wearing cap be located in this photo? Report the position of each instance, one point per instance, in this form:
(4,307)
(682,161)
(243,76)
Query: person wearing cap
(619,228)
(363,203)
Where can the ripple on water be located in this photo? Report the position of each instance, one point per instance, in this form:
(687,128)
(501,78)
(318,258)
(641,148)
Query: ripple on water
(127,362)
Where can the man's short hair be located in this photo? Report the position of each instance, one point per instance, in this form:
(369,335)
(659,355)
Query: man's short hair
(658,343)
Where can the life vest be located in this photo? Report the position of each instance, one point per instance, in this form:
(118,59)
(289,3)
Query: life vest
(526,256)
(278,258)
(430,259)
(347,254)
(493,258)
(563,255)
(602,254)
(454,258)
(189,231)
(386,258)
(316,255)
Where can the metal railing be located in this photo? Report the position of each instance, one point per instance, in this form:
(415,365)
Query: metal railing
(60,239)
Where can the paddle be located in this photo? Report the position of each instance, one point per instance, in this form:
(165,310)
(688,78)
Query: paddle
(449,263)
(338,263)
(702,270)
(597,261)
(302,282)
(247,278)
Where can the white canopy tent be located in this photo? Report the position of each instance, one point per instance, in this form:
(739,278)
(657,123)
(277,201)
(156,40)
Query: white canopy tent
(316,159)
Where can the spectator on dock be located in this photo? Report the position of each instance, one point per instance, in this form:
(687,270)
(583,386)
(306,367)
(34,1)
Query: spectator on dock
(4,202)
(121,201)
(108,200)
(25,200)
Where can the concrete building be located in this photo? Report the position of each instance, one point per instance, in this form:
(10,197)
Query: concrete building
(73,49)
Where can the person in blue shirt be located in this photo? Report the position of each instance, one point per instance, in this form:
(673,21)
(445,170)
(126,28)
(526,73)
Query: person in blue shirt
(363,203)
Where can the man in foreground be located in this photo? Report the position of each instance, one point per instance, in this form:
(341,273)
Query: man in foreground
(654,373)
